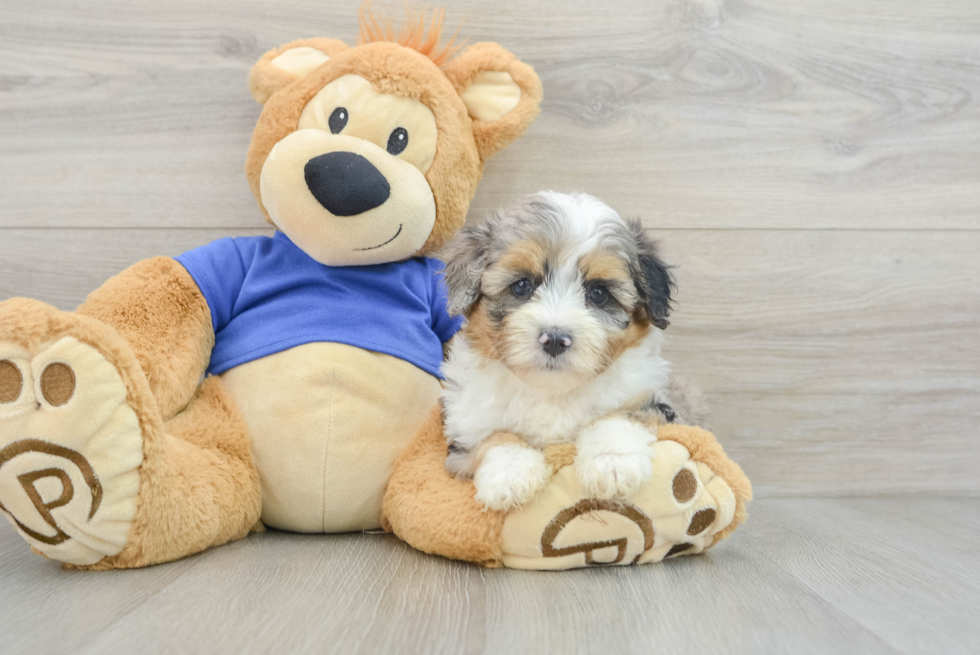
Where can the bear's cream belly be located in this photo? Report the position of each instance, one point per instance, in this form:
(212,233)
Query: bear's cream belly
(327,421)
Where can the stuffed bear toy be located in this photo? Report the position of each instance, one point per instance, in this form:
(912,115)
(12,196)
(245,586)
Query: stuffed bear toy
(265,380)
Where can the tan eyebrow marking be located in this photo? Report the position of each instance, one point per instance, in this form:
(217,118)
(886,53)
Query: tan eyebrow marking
(522,257)
(604,266)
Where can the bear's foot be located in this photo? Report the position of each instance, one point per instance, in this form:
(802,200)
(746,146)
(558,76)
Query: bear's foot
(71,444)
(693,497)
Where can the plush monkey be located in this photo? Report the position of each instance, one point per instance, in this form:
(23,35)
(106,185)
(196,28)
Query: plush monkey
(267,380)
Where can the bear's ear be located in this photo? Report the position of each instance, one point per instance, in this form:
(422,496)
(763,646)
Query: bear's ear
(284,65)
(501,93)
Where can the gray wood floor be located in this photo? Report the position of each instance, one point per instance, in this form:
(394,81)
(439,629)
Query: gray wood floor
(806,576)
(812,168)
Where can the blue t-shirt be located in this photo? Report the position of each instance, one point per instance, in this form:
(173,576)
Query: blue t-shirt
(266,295)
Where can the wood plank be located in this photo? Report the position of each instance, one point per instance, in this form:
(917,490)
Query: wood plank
(693,113)
(835,363)
(914,554)
(45,610)
(803,576)
(62,266)
(333,594)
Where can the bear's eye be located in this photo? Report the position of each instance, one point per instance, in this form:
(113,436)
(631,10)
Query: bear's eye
(398,141)
(522,288)
(598,296)
(338,120)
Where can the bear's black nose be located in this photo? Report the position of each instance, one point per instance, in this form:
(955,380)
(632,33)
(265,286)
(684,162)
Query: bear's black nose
(345,183)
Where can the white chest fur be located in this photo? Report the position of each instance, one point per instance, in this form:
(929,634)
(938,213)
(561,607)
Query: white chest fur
(483,396)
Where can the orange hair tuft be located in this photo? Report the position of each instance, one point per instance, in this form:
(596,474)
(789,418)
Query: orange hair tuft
(411,34)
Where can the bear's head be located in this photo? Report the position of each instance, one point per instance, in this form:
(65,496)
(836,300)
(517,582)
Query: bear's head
(372,154)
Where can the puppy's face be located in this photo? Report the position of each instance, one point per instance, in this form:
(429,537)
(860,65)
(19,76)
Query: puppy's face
(557,287)
(554,312)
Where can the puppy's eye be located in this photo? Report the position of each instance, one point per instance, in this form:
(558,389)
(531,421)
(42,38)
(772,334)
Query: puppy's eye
(522,288)
(398,141)
(598,296)
(338,120)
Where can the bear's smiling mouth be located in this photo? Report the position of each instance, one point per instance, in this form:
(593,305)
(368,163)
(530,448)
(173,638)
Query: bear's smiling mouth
(386,242)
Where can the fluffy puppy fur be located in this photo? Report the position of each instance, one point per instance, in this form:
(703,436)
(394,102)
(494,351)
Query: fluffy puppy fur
(566,305)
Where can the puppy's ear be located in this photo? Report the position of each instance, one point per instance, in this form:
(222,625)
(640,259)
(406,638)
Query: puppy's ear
(467,257)
(652,278)
(282,66)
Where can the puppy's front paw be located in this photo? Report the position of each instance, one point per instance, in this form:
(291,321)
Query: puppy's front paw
(612,475)
(509,476)
(614,458)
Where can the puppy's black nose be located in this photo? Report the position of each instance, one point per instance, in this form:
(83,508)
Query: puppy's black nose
(345,183)
(555,343)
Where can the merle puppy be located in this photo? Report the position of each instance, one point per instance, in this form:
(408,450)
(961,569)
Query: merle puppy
(566,304)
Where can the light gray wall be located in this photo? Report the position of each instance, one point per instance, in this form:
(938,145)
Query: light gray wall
(812,167)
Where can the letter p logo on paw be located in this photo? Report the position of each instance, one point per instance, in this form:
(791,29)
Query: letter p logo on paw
(37,502)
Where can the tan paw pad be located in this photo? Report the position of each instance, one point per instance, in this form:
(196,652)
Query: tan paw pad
(70,451)
(11,382)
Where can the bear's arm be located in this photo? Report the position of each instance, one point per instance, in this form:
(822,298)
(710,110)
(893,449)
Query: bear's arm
(158,308)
